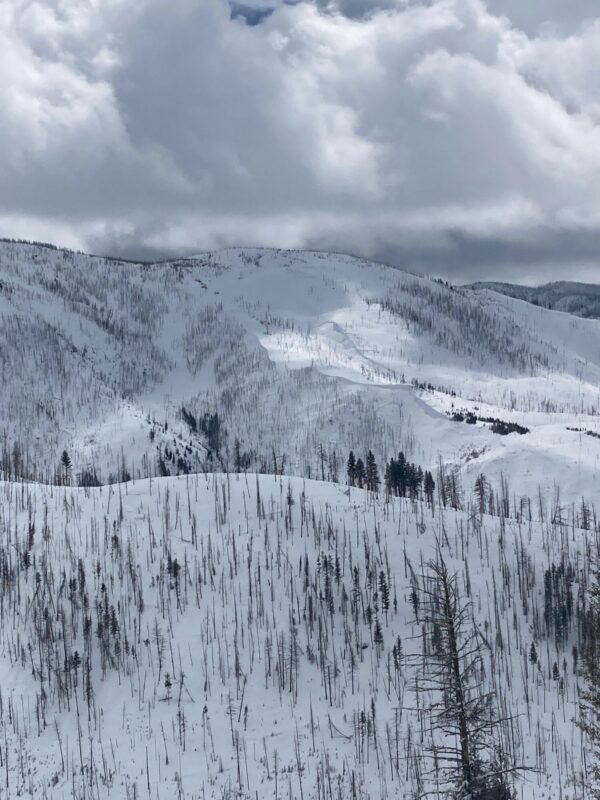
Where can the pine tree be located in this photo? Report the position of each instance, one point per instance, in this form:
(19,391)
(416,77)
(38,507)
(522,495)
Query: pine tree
(400,477)
(372,473)
(351,468)
(533,656)
(65,460)
(481,490)
(388,477)
(237,455)
(384,593)
(429,487)
(360,474)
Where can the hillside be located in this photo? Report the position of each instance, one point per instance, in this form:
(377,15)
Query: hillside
(284,362)
(581,299)
(232,636)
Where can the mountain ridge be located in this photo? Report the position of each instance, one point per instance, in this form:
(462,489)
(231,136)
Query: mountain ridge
(580,299)
(104,359)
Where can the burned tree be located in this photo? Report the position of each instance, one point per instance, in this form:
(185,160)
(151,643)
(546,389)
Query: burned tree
(464,723)
(589,699)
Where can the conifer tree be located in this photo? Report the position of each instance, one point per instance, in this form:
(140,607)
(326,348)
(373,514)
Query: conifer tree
(351,468)
(429,487)
(533,656)
(481,490)
(360,474)
(65,460)
(372,473)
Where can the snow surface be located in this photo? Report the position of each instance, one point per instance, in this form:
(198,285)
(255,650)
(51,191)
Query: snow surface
(251,555)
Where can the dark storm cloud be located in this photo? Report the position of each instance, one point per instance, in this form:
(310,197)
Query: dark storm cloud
(548,255)
(250,14)
(444,135)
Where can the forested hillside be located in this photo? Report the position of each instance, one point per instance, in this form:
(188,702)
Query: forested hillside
(296,526)
(280,361)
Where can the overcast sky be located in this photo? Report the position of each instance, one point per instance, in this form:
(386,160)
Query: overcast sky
(452,137)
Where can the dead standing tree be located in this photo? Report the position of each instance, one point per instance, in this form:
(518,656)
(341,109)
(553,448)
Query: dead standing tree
(461,712)
(589,698)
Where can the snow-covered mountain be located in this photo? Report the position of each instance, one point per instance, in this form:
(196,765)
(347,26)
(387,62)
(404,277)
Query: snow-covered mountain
(582,299)
(197,601)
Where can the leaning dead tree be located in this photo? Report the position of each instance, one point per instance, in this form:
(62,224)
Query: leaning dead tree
(466,730)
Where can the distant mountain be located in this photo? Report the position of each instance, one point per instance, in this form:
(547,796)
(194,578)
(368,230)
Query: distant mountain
(283,361)
(581,299)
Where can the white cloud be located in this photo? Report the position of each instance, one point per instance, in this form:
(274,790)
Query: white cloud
(436,133)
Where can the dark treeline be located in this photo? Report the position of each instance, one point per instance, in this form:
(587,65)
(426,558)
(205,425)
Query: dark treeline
(497,425)
(404,479)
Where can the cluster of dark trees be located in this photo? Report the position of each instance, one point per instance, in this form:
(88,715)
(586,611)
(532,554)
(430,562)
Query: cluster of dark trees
(208,424)
(431,387)
(498,426)
(558,601)
(64,474)
(595,434)
(181,463)
(242,460)
(403,479)
(363,474)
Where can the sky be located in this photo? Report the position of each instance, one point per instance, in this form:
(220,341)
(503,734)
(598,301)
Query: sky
(452,137)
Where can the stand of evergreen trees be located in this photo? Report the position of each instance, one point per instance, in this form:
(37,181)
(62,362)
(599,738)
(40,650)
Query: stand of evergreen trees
(401,478)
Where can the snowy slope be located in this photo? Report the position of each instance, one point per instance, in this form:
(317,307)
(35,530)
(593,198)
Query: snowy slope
(214,637)
(299,354)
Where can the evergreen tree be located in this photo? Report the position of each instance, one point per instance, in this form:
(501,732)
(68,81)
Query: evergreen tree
(360,474)
(533,656)
(429,487)
(65,460)
(351,469)
(168,686)
(388,479)
(237,455)
(401,476)
(384,592)
(481,492)
(372,473)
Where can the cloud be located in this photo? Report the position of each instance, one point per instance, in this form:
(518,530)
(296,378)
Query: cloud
(437,135)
